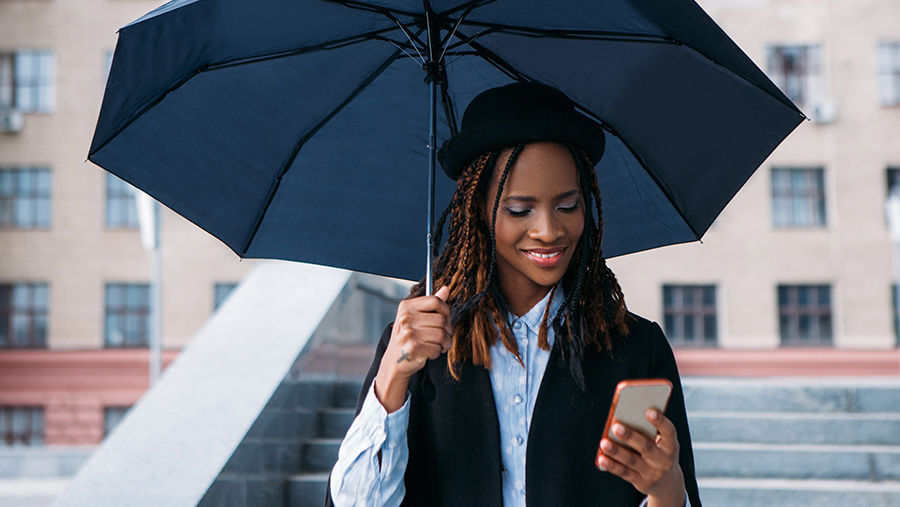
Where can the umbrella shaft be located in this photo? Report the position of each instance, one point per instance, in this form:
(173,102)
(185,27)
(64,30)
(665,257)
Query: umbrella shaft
(432,160)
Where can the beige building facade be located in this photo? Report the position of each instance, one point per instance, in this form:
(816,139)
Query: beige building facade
(838,60)
(79,252)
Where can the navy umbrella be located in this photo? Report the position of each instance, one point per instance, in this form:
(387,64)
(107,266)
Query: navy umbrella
(304,129)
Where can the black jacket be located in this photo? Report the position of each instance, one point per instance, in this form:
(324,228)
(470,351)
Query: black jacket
(454,434)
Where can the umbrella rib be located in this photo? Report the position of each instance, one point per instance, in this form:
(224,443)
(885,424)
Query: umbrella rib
(337,44)
(572,34)
(643,163)
(356,39)
(297,147)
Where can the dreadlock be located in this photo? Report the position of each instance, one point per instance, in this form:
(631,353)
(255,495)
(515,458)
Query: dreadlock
(593,310)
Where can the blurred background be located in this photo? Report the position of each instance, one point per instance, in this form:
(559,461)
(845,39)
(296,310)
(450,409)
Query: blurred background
(794,281)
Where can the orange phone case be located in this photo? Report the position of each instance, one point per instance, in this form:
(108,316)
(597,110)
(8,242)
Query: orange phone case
(650,395)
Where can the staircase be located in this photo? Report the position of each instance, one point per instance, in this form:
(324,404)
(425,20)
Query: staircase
(334,404)
(757,443)
(796,442)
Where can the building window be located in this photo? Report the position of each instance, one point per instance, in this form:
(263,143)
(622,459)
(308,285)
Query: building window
(797,71)
(804,313)
(112,416)
(221,293)
(121,210)
(690,314)
(28,81)
(25,198)
(798,197)
(23,315)
(22,426)
(127,315)
(889,73)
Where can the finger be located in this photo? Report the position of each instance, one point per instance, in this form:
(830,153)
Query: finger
(608,464)
(443,293)
(633,439)
(428,304)
(620,454)
(667,440)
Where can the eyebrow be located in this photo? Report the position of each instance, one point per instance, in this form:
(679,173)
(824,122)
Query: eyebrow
(528,198)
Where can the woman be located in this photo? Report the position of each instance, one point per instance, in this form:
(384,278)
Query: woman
(495,390)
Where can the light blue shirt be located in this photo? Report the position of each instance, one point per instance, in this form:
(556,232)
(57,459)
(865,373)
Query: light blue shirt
(357,478)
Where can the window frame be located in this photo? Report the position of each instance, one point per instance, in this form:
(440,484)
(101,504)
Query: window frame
(678,313)
(26,206)
(794,310)
(805,87)
(36,433)
(35,312)
(121,206)
(887,57)
(116,317)
(28,80)
(787,202)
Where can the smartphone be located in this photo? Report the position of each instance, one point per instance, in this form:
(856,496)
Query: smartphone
(632,400)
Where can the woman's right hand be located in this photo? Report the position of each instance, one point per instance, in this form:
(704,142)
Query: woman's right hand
(422,331)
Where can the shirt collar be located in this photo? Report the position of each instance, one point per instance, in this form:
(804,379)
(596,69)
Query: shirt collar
(535,316)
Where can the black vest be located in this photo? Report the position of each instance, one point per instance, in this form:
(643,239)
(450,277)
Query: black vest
(454,434)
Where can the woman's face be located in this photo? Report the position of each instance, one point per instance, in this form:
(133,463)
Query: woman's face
(539,222)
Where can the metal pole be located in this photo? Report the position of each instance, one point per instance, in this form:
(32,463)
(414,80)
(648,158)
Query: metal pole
(155,344)
(432,77)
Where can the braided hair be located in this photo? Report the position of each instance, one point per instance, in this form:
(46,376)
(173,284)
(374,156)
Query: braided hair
(593,310)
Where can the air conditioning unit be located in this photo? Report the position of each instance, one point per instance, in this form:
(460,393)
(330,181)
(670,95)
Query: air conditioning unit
(11,121)
(823,112)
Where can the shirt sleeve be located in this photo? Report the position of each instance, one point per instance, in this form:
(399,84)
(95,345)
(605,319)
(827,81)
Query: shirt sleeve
(687,501)
(359,478)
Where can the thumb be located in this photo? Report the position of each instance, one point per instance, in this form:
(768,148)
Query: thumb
(443,293)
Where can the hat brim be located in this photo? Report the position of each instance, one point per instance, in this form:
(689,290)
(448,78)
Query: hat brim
(459,151)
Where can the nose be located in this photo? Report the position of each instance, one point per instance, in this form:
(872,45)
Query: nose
(546,228)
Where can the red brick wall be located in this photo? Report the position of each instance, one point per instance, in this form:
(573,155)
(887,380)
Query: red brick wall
(73,387)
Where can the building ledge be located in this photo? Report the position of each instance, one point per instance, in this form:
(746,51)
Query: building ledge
(805,362)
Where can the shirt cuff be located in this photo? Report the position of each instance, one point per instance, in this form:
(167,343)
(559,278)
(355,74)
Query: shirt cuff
(380,428)
(687,501)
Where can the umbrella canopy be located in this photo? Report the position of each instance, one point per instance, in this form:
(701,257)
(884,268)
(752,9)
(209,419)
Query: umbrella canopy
(298,130)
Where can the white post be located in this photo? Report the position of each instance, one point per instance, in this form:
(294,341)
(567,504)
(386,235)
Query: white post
(892,213)
(148,218)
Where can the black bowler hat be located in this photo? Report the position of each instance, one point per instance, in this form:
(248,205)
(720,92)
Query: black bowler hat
(514,114)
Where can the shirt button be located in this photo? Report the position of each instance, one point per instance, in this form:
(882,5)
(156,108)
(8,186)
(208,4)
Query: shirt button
(525,342)
(519,440)
(517,399)
(517,325)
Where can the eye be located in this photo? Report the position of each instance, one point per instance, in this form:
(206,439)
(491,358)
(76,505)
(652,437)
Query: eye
(570,207)
(516,212)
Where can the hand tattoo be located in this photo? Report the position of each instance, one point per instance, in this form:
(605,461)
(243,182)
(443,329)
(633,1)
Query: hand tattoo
(404,357)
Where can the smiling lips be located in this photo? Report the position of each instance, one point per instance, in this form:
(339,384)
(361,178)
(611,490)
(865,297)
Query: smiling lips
(546,257)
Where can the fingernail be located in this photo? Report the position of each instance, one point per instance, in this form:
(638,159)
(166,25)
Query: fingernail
(653,414)
(618,429)
(601,464)
(606,445)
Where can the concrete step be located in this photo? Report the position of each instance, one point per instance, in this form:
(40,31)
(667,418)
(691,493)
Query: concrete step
(43,462)
(320,455)
(306,490)
(334,422)
(347,392)
(793,395)
(796,427)
(844,462)
(797,493)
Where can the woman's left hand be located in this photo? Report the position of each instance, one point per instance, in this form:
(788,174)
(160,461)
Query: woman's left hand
(652,467)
